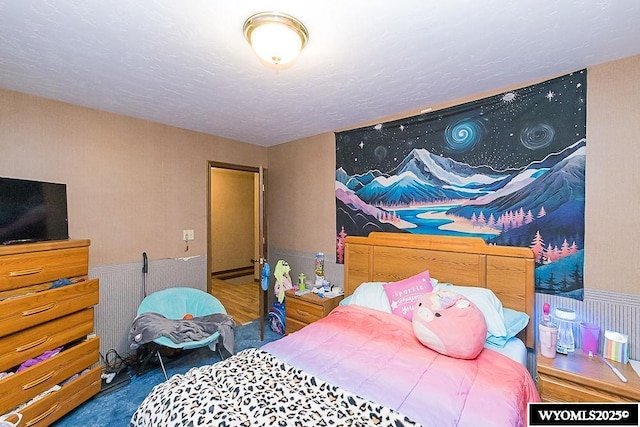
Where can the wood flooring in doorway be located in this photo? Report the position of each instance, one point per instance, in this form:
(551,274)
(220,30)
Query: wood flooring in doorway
(240,300)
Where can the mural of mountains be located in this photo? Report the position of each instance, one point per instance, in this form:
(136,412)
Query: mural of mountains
(423,177)
(554,188)
(545,198)
(438,170)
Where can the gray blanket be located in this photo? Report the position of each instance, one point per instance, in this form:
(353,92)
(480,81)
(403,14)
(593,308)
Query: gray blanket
(148,326)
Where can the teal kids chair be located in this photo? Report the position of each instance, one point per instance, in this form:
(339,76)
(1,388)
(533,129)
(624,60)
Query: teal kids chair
(180,303)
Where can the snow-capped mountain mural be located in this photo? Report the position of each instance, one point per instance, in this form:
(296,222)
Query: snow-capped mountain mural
(519,183)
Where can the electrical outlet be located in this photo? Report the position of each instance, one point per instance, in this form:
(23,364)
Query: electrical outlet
(187,235)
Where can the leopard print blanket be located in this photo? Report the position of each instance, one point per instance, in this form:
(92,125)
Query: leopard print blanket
(254,388)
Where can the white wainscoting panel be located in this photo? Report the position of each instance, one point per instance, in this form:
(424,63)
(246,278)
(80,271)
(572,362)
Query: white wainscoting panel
(304,262)
(121,291)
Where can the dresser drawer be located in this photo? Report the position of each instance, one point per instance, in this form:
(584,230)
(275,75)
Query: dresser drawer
(23,269)
(303,311)
(53,406)
(293,325)
(17,314)
(25,385)
(32,342)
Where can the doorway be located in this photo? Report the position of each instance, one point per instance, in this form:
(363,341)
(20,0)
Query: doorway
(234,236)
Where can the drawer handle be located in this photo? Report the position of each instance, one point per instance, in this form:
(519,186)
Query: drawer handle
(302,313)
(44,415)
(37,381)
(32,344)
(40,309)
(26,272)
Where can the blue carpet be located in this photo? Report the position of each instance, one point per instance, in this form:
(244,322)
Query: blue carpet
(115,408)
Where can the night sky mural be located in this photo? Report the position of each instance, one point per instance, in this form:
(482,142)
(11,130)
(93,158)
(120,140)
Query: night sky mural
(509,168)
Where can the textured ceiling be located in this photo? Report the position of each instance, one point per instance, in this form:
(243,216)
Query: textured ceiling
(185,63)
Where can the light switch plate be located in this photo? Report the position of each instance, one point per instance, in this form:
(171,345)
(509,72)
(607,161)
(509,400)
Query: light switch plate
(187,235)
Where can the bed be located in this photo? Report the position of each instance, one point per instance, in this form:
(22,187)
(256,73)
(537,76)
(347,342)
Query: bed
(363,365)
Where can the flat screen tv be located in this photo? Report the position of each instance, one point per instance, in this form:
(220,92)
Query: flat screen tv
(32,211)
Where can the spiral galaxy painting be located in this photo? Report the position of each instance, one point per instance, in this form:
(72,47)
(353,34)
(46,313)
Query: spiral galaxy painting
(509,168)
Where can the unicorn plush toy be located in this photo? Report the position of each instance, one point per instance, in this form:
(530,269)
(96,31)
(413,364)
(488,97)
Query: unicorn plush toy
(283,280)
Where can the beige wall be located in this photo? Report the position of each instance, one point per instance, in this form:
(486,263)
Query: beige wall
(301,204)
(132,185)
(302,211)
(232,219)
(613,177)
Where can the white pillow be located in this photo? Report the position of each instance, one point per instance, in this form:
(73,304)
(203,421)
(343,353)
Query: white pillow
(371,295)
(486,301)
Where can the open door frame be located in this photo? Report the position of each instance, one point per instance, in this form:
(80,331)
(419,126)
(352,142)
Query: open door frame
(261,247)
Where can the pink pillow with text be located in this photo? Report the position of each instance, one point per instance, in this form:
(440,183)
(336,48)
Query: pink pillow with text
(404,294)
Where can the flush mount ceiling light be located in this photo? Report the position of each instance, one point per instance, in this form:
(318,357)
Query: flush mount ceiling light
(275,37)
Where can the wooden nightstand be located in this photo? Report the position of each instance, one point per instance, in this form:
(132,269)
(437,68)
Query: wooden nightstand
(305,309)
(578,378)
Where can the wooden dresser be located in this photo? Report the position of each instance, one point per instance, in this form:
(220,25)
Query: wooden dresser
(304,309)
(576,377)
(36,319)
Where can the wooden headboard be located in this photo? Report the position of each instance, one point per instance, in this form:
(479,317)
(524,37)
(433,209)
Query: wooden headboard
(468,261)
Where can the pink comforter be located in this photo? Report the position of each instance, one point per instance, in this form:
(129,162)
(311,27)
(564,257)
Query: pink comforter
(376,356)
